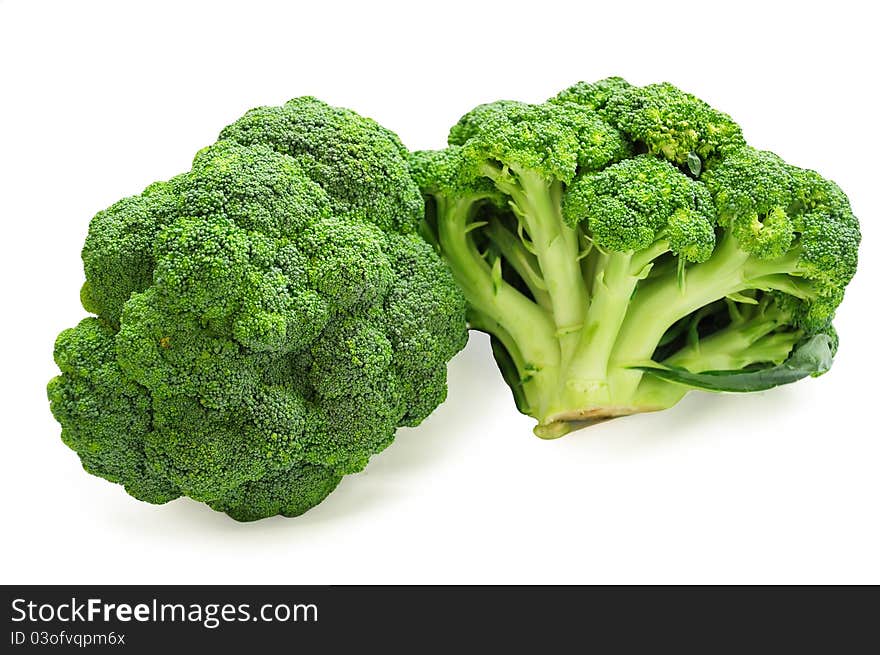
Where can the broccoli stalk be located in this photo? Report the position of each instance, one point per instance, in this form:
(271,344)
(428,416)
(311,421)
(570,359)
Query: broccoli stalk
(615,238)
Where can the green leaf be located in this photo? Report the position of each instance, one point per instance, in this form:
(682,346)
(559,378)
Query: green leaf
(474,226)
(510,374)
(694,164)
(496,275)
(813,357)
(738,297)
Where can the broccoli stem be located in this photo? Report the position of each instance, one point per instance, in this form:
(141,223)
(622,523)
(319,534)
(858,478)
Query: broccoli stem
(521,325)
(538,202)
(734,348)
(523,262)
(615,278)
(748,339)
(613,286)
(484,323)
(549,264)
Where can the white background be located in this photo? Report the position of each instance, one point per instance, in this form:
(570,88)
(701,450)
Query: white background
(97,99)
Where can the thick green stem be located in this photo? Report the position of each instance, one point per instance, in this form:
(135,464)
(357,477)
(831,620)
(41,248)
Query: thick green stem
(485,323)
(529,379)
(539,204)
(525,329)
(615,277)
(586,373)
(521,260)
(527,324)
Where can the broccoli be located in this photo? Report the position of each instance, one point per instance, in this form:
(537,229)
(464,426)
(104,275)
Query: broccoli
(622,245)
(263,323)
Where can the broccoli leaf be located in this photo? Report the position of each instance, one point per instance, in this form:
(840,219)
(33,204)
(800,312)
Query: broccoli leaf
(812,358)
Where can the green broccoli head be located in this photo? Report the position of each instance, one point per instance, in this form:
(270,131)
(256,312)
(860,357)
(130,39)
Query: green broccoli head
(659,118)
(622,244)
(443,171)
(829,232)
(262,330)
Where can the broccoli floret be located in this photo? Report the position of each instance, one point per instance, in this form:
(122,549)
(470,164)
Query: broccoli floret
(107,416)
(594,95)
(669,122)
(118,254)
(622,245)
(265,321)
(289,493)
(355,160)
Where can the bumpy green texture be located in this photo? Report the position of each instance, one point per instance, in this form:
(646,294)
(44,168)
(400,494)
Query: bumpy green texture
(623,245)
(264,322)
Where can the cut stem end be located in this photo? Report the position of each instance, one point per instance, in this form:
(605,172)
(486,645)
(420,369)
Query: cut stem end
(561,424)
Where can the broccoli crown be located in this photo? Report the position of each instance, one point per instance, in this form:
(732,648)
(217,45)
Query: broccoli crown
(618,230)
(829,231)
(261,328)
